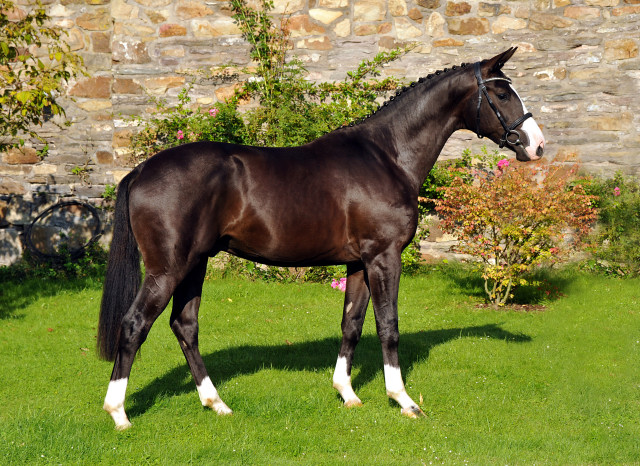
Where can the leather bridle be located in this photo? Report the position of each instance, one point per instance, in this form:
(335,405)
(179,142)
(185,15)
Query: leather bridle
(509,130)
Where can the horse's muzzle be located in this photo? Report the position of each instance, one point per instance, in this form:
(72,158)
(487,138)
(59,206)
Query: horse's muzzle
(539,152)
(535,148)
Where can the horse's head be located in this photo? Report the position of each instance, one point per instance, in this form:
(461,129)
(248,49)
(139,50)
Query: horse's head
(496,111)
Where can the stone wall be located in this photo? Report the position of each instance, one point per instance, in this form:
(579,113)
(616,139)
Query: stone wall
(577,68)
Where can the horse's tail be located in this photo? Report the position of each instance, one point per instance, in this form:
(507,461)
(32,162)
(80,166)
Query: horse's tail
(123,277)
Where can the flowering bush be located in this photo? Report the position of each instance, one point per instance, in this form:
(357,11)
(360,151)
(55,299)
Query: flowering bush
(514,218)
(288,110)
(442,174)
(615,243)
(181,124)
(339,284)
(502,164)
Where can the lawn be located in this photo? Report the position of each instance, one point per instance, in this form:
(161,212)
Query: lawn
(556,386)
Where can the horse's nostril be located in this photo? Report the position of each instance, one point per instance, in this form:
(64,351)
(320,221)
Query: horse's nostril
(540,150)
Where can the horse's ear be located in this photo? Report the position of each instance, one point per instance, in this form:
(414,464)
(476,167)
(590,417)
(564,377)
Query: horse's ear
(496,63)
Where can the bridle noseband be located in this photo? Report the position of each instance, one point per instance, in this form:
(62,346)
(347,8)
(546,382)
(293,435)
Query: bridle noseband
(509,130)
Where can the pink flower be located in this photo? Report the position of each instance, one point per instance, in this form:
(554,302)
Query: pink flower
(616,191)
(339,284)
(180,134)
(502,164)
(213,112)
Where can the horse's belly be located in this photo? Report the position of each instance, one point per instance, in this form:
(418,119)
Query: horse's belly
(293,246)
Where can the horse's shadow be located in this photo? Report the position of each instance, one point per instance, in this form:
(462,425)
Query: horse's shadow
(313,355)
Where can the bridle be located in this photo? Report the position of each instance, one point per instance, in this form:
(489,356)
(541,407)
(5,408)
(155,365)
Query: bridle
(509,130)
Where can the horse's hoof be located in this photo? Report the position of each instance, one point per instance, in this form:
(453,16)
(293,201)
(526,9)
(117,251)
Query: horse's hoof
(222,409)
(413,412)
(353,403)
(123,426)
(218,406)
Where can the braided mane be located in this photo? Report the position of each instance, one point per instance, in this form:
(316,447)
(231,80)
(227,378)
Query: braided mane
(400,92)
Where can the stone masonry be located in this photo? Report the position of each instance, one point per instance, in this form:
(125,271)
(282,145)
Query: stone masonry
(577,68)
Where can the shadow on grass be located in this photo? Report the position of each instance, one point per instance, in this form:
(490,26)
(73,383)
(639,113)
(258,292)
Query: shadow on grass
(314,355)
(547,284)
(16,294)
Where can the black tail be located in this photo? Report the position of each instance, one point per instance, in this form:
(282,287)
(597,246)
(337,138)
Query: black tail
(122,281)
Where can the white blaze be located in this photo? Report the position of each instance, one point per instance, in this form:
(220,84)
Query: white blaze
(534,133)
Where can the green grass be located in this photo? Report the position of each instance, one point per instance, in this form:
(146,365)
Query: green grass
(558,386)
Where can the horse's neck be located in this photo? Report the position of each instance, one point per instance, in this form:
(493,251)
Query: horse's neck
(418,126)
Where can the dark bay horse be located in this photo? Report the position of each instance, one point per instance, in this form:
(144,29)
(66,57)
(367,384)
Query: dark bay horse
(349,197)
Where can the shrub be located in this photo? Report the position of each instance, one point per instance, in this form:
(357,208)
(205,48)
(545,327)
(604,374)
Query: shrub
(226,265)
(290,110)
(91,264)
(442,176)
(615,243)
(170,126)
(514,218)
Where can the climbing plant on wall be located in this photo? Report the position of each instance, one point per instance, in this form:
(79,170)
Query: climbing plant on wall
(289,109)
(35,62)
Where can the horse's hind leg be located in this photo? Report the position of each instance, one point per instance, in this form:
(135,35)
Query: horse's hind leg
(151,300)
(184,323)
(356,301)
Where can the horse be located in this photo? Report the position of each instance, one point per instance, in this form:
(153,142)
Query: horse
(348,197)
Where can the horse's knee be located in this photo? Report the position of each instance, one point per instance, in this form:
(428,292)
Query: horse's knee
(352,331)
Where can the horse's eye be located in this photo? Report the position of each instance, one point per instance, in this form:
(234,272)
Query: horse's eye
(503,96)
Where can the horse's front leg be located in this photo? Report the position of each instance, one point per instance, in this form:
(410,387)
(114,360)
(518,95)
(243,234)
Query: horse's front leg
(383,272)
(184,323)
(356,301)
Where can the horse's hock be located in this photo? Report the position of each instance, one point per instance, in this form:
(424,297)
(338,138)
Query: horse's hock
(578,65)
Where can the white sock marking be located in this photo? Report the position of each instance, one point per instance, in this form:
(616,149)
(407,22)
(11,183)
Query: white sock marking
(342,383)
(393,379)
(209,397)
(395,387)
(114,403)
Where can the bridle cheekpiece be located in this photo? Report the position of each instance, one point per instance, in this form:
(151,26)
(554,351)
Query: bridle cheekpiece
(509,130)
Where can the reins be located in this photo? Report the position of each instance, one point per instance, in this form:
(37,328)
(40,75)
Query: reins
(509,130)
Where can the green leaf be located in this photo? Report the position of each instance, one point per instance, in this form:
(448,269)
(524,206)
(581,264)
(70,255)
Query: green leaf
(23,96)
